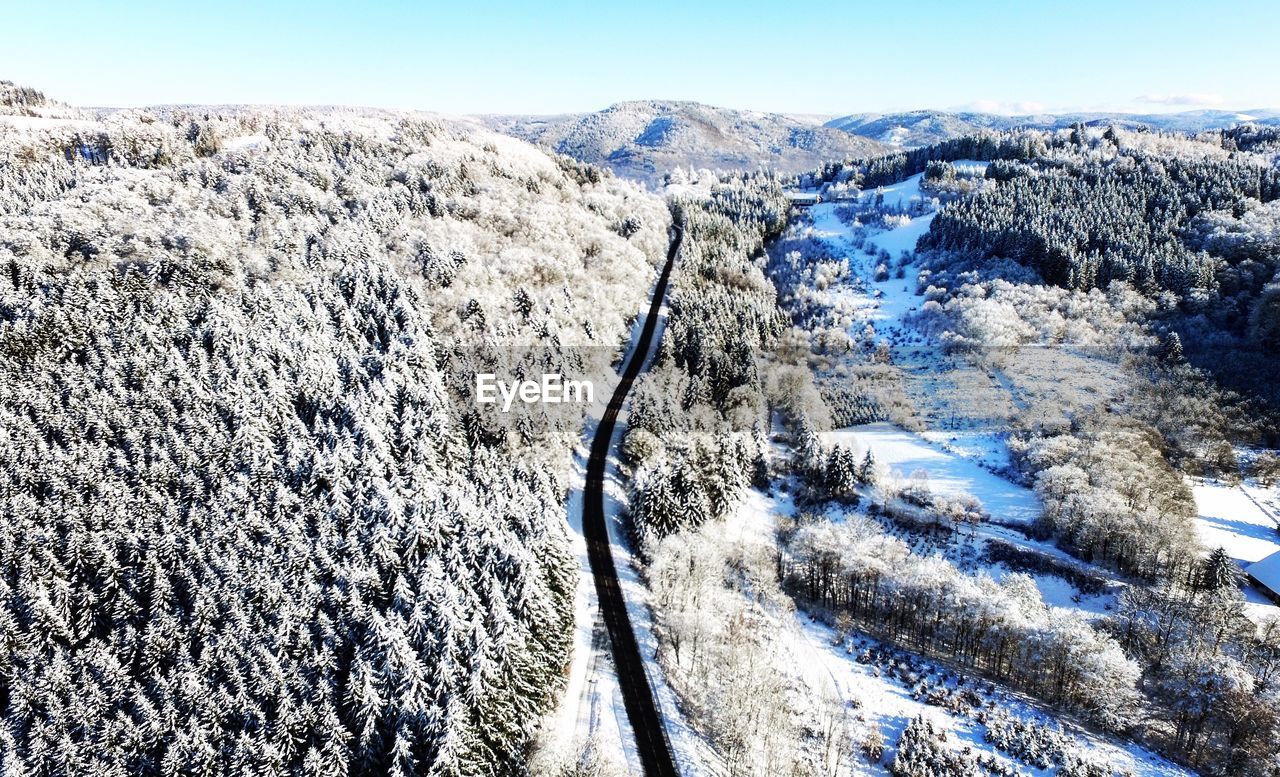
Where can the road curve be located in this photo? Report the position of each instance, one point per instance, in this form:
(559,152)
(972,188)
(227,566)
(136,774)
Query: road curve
(637,695)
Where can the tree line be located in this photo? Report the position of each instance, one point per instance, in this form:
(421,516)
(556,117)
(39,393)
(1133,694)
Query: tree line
(1001,630)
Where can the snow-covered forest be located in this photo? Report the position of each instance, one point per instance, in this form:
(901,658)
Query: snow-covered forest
(698,422)
(1042,317)
(250,525)
(952,460)
(1072,569)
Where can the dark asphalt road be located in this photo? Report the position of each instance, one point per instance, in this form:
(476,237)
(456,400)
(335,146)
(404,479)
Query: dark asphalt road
(651,741)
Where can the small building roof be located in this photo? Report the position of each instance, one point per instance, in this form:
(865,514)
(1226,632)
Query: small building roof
(804,198)
(1267,572)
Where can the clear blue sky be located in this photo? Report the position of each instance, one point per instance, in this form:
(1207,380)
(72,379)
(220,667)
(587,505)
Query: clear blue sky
(830,57)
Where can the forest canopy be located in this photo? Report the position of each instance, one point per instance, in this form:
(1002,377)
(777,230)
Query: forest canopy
(247,527)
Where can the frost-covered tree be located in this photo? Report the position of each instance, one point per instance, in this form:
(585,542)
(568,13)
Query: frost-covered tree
(697,415)
(1218,572)
(842,473)
(252,522)
(922,751)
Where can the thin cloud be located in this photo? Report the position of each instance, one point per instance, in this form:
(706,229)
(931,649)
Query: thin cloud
(1189,99)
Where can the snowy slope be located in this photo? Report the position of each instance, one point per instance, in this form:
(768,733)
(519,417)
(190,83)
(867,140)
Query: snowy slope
(883,700)
(956,458)
(886,304)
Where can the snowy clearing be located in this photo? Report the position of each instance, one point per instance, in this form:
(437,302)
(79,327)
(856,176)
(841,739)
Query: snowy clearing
(905,453)
(1242,520)
(246,142)
(962,410)
(1234,518)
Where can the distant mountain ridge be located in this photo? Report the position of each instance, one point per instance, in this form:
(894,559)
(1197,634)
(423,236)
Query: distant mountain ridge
(646,139)
(921,128)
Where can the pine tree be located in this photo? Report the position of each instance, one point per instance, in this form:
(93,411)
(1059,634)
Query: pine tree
(842,474)
(867,470)
(1171,349)
(1218,572)
(523,303)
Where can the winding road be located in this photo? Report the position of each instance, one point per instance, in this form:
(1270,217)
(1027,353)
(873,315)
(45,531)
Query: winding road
(637,694)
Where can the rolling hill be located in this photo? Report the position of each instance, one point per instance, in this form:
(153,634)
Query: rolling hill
(644,140)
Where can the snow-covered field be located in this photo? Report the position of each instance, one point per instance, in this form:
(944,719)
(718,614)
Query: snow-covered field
(1243,520)
(1236,518)
(904,454)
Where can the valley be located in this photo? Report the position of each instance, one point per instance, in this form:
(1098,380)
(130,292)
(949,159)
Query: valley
(660,439)
(941,431)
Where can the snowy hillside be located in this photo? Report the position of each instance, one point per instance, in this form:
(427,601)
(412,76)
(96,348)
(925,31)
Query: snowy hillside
(245,480)
(647,139)
(963,385)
